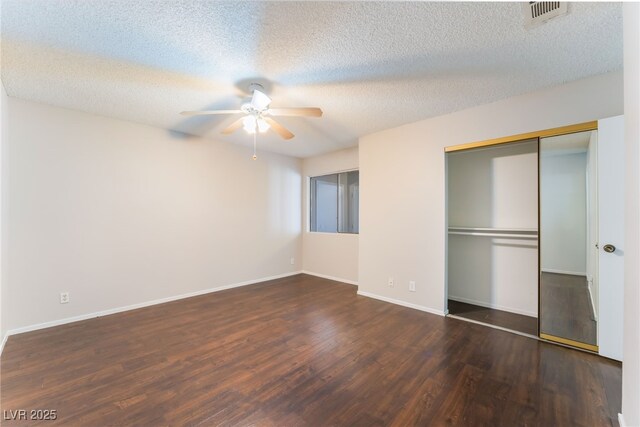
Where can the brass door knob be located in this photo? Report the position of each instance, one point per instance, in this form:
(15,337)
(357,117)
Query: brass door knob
(609,248)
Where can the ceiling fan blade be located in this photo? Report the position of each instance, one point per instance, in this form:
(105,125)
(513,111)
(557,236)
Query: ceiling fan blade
(260,101)
(233,126)
(209,112)
(278,128)
(307,112)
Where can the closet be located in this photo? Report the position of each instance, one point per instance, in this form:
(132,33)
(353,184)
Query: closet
(535,243)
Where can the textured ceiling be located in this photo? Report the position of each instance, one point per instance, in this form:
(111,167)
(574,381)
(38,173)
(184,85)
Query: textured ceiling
(368,65)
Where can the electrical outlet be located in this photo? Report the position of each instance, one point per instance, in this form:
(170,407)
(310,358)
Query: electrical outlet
(412,286)
(391,282)
(64,297)
(293,261)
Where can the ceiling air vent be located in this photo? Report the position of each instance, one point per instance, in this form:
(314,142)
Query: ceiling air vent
(539,12)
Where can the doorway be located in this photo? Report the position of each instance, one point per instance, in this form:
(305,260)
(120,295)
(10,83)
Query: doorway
(493,235)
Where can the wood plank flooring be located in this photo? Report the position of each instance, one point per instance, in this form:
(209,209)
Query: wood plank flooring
(300,351)
(505,319)
(565,308)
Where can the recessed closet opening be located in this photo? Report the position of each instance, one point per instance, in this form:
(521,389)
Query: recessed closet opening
(535,238)
(492,197)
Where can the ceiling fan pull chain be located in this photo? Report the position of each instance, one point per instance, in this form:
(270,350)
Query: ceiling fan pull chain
(254,146)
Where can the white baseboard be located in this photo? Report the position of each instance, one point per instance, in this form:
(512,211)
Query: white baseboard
(572,273)
(494,306)
(621,420)
(402,303)
(324,276)
(143,304)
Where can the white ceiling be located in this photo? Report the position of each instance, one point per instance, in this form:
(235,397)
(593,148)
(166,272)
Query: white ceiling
(368,65)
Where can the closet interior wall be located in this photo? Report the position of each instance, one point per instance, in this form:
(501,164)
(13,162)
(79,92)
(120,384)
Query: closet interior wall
(492,195)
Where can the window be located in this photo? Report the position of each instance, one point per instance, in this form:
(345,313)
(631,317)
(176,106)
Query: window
(334,202)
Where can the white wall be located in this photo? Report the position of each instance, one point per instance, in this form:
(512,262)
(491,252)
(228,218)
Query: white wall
(494,187)
(563,212)
(329,254)
(631,357)
(3,131)
(402,177)
(118,213)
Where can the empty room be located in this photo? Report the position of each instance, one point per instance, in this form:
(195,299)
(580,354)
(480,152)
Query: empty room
(372,213)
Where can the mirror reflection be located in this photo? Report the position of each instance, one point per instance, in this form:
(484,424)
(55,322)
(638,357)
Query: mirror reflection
(568,230)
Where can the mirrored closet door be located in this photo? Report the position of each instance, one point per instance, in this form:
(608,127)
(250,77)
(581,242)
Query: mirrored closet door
(568,239)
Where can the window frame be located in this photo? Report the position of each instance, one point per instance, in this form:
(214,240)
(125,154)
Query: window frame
(310,199)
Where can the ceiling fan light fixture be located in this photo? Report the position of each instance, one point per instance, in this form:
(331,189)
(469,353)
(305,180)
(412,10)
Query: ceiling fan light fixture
(263,126)
(249,124)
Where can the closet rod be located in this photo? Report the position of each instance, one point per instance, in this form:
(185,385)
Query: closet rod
(494,229)
(506,235)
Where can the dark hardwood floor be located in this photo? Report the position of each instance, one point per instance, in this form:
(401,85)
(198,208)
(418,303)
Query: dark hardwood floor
(565,308)
(301,351)
(504,319)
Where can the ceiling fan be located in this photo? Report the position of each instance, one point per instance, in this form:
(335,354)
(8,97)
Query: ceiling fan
(258,115)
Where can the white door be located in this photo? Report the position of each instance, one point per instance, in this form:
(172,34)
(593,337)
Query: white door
(610,235)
